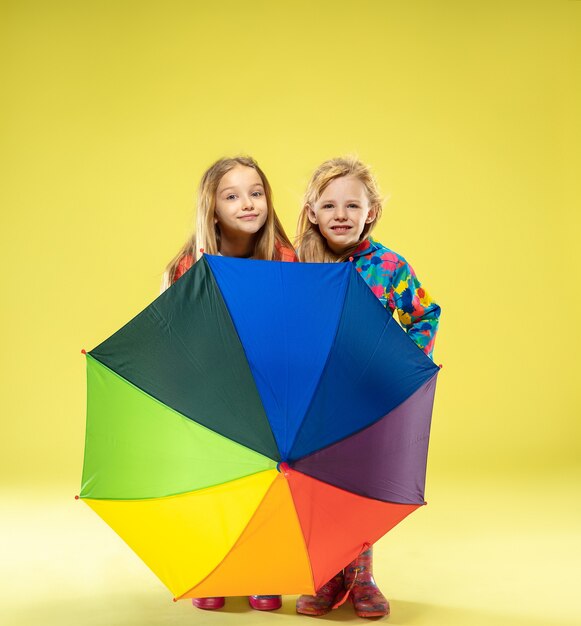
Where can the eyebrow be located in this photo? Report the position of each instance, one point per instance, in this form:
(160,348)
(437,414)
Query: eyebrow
(234,187)
(348,200)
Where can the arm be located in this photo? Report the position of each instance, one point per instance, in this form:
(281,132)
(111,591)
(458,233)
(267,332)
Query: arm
(183,266)
(418,313)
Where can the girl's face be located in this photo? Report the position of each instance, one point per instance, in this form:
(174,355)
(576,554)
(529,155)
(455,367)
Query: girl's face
(342,212)
(241,208)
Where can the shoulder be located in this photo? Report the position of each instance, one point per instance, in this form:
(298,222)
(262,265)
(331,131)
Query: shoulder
(183,266)
(375,253)
(285,253)
(186,262)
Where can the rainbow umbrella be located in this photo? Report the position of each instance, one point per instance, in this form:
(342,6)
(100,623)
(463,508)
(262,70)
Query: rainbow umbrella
(257,425)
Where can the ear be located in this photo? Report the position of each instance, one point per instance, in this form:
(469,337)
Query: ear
(310,213)
(371,215)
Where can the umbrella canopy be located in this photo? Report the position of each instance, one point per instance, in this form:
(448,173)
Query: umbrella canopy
(255,426)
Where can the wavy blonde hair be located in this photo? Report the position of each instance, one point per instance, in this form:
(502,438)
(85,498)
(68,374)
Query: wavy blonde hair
(311,246)
(206,235)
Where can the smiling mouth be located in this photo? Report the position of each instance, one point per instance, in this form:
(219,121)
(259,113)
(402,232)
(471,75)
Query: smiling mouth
(340,229)
(248,218)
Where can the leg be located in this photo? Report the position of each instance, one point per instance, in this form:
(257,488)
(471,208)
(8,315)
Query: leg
(324,600)
(367,599)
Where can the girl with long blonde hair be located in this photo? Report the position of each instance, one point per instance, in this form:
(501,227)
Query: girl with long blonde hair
(235,217)
(342,205)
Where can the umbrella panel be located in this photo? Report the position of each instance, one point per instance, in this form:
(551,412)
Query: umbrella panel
(287,326)
(337,524)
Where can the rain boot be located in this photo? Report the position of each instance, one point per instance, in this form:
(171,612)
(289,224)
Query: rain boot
(324,600)
(367,600)
(209,604)
(265,603)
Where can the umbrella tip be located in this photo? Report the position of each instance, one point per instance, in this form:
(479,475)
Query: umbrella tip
(283,468)
(441,365)
(175,599)
(83,351)
(76,497)
(350,259)
(425,503)
(201,250)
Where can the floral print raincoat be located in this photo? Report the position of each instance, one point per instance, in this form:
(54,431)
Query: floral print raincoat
(394,282)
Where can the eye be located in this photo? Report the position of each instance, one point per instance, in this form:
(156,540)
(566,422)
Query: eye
(230,196)
(353,205)
(257,194)
(327,205)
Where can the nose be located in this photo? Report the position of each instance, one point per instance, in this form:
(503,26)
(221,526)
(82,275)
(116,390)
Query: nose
(340,214)
(248,203)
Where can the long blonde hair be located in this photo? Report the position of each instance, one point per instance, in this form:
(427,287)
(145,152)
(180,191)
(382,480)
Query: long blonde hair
(312,247)
(206,235)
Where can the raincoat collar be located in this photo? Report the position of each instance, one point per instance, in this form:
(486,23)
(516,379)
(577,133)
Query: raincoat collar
(367,246)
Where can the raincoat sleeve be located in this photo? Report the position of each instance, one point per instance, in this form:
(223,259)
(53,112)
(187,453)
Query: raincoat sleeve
(418,313)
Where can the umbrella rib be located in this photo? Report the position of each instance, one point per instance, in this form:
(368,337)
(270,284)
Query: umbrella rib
(171,408)
(285,339)
(356,432)
(234,544)
(189,421)
(248,361)
(167,406)
(324,369)
(302,531)
(177,493)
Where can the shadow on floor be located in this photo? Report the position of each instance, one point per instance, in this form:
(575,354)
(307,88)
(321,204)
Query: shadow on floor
(152,609)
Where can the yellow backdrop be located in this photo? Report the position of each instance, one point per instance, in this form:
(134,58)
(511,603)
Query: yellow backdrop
(469,116)
(467,111)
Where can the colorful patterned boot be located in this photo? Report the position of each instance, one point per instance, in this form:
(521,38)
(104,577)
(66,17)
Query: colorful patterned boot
(324,600)
(367,600)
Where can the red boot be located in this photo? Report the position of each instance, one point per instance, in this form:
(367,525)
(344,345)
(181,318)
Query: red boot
(265,603)
(209,604)
(324,600)
(367,600)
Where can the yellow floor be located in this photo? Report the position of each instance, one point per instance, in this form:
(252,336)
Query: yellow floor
(502,551)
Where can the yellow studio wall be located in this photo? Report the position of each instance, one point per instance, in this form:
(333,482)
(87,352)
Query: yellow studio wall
(468,112)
